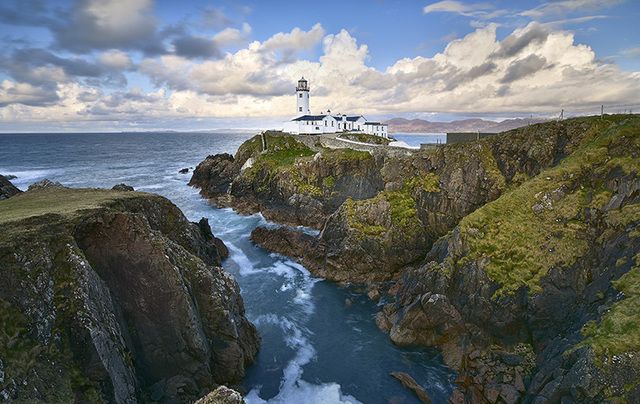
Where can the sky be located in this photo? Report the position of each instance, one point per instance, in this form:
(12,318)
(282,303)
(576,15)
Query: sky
(112,65)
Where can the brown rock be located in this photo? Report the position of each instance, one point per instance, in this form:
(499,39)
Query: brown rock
(408,382)
(222,395)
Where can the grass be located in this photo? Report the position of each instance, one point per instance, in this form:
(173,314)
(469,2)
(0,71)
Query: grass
(403,212)
(60,201)
(520,245)
(619,329)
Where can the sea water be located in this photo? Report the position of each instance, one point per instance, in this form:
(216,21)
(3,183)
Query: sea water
(320,343)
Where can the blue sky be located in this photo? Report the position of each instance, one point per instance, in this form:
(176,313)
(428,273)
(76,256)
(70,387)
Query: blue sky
(129,64)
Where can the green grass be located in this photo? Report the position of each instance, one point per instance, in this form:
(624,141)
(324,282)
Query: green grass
(402,207)
(519,245)
(619,328)
(60,201)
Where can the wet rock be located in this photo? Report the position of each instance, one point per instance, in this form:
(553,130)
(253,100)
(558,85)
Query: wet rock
(184,171)
(7,189)
(215,174)
(409,383)
(374,294)
(123,187)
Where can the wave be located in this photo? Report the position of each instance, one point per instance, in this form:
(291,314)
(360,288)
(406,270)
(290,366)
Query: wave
(24,178)
(292,388)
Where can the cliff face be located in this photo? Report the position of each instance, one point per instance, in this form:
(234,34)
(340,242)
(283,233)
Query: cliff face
(517,256)
(289,181)
(424,195)
(7,189)
(551,265)
(115,296)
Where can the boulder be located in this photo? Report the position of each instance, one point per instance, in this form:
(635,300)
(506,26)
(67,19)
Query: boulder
(44,184)
(221,395)
(122,187)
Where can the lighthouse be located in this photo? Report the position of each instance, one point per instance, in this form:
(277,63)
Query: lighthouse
(302,97)
(306,124)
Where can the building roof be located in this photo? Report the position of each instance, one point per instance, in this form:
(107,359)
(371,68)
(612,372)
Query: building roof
(375,123)
(309,118)
(336,117)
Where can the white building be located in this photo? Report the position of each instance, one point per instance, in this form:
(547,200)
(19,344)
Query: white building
(309,124)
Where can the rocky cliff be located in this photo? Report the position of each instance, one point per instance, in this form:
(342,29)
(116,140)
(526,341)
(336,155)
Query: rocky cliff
(551,265)
(7,189)
(114,296)
(424,194)
(516,255)
(287,180)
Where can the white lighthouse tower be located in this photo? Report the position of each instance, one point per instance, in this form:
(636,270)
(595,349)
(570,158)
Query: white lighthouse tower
(302,97)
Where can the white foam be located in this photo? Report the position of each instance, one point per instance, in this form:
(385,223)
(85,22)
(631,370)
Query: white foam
(292,388)
(245,266)
(24,178)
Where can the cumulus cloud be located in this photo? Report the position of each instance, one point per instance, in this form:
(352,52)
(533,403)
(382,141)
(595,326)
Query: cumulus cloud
(116,59)
(533,69)
(233,36)
(523,68)
(196,47)
(294,41)
(25,94)
(513,44)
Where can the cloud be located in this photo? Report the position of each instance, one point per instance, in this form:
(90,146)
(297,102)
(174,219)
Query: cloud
(213,17)
(26,94)
(576,20)
(116,59)
(534,69)
(523,68)
(631,52)
(233,36)
(477,10)
(196,47)
(294,41)
(566,6)
(513,44)
(26,13)
(108,24)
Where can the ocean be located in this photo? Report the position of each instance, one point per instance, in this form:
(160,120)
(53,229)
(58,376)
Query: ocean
(315,347)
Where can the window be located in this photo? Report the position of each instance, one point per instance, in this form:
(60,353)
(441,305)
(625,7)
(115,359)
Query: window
(300,95)
(299,109)
(331,123)
(325,123)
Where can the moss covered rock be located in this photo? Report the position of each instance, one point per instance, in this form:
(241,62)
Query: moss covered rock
(114,296)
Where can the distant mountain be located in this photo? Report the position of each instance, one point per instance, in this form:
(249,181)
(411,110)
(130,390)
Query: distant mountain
(402,125)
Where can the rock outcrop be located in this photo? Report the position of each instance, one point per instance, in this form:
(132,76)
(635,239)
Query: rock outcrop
(289,181)
(423,195)
(7,189)
(516,255)
(549,269)
(114,296)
